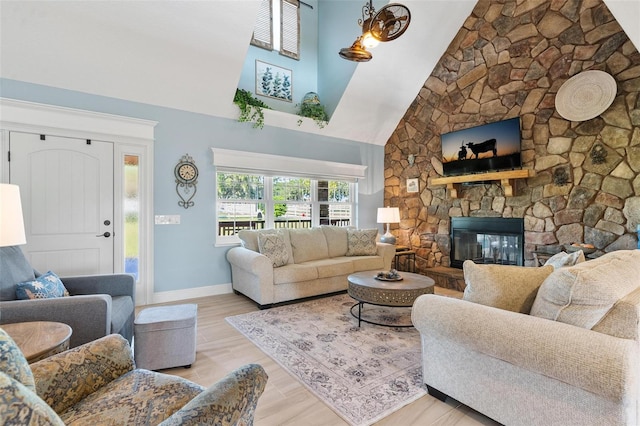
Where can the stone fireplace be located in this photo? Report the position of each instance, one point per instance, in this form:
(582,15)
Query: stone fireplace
(493,240)
(510,59)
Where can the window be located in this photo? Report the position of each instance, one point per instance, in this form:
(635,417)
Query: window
(131,214)
(250,201)
(337,206)
(278,27)
(257,190)
(240,203)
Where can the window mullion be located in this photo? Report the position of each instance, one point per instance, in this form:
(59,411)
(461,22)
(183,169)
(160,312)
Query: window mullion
(268,202)
(315,206)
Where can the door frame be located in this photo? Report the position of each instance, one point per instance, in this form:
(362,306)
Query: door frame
(130,136)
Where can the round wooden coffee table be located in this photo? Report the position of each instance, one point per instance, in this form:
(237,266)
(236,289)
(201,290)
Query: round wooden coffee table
(365,288)
(39,339)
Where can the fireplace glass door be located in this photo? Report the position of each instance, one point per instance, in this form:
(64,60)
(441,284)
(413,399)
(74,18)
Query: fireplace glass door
(487,240)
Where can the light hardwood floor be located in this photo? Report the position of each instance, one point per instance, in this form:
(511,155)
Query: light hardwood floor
(220,349)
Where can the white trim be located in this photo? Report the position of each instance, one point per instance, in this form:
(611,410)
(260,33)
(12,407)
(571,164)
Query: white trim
(287,166)
(191,293)
(128,134)
(19,115)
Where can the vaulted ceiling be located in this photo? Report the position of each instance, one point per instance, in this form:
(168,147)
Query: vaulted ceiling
(188,55)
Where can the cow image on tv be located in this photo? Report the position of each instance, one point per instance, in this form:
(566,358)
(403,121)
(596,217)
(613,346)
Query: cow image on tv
(486,146)
(490,147)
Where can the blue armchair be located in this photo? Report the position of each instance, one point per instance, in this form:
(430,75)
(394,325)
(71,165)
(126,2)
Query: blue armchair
(98,305)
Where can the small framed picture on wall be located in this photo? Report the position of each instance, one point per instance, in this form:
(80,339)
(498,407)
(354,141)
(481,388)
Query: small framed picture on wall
(274,81)
(413,185)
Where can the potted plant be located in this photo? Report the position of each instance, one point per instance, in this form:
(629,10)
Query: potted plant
(250,108)
(312,108)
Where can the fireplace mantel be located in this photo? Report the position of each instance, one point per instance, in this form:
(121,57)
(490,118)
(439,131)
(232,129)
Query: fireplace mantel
(504,177)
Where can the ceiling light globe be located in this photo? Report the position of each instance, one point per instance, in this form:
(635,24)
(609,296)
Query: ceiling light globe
(369,41)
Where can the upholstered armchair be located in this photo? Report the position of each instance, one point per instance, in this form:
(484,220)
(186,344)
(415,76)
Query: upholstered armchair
(97,383)
(539,346)
(98,304)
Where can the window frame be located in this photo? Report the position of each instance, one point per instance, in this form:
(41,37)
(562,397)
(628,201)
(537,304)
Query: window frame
(260,24)
(289,18)
(270,165)
(269,202)
(286,33)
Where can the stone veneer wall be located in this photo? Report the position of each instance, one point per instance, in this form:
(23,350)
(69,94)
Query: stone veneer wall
(509,59)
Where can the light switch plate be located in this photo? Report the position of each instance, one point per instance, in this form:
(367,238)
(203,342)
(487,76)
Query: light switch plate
(167,219)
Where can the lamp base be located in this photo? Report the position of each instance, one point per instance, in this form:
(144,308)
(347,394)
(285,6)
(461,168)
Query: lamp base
(388,238)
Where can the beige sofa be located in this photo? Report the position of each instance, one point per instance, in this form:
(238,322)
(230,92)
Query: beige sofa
(288,264)
(574,360)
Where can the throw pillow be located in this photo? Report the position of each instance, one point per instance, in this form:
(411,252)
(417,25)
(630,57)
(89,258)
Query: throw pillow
(19,405)
(362,242)
(583,294)
(13,363)
(273,246)
(512,288)
(561,259)
(46,286)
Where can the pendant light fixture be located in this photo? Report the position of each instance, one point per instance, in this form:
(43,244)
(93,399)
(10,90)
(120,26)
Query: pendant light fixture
(387,24)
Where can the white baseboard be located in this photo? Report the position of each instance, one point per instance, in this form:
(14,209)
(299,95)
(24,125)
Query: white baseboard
(191,293)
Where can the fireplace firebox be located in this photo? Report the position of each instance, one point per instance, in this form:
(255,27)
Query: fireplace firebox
(492,240)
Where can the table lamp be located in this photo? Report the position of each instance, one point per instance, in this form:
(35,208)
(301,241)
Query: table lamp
(388,215)
(11,221)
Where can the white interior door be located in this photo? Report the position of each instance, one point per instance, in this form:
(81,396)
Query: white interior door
(66,186)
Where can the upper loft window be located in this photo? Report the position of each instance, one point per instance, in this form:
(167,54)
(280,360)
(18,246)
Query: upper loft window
(278,27)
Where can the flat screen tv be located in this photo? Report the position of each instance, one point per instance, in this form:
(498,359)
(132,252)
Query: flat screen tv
(486,148)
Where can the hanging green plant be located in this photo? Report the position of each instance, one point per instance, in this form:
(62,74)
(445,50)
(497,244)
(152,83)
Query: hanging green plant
(250,108)
(312,108)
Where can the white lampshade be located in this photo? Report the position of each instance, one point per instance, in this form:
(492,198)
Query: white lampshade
(388,215)
(11,221)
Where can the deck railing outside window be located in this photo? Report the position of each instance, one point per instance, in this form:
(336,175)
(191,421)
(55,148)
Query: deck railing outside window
(226,228)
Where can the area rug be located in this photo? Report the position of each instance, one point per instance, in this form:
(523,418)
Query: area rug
(363,373)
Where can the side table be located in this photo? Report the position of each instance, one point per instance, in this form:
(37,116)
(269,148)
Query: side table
(409,261)
(39,339)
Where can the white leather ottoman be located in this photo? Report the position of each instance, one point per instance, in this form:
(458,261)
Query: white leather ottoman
(165,336)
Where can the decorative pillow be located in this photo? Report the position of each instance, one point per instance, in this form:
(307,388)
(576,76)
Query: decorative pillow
(583,294)
(273,246)
(512,288)
(561,259)
(46,286)
(19,405)
(13,363)
(362,242)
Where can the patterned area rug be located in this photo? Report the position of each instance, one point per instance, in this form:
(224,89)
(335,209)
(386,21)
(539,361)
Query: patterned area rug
(364,374)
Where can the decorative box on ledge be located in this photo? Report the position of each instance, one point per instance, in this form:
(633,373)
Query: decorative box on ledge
(504,177)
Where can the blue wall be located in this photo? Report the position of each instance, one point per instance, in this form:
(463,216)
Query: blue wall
(339,23)
(185,254)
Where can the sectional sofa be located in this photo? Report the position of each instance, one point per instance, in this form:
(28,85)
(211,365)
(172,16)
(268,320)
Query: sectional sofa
(274,266)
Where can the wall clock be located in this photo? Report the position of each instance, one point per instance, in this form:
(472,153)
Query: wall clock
(186,174)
